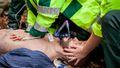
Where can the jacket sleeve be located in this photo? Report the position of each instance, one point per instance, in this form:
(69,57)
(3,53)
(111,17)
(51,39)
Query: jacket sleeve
(104,8)
(46,16)
(97,29)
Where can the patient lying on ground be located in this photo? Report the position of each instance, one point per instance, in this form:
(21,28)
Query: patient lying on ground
(35,53)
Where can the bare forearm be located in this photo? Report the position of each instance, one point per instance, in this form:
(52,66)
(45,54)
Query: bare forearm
(91,43)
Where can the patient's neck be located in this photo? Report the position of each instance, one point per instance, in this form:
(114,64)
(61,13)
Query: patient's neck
(55,50)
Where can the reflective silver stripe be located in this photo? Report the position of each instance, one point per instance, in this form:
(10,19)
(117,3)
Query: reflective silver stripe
(48,10)
(28,28)
(40,28)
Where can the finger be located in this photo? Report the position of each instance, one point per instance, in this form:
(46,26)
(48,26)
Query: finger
(70,50)
(72,59)
(75,46)
(72,46)
(13,37)
(12,34)
(68,54)
(77,62)
(16,39)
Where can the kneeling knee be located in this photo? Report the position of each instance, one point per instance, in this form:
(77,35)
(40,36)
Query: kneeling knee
(110,16)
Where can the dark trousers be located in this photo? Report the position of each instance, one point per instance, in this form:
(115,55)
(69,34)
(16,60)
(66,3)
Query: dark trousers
(111,38)
(14,19)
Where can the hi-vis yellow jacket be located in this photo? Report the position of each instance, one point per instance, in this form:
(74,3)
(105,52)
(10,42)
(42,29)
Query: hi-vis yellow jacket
(89,13)
(105,6)
(84,13)
(42,13)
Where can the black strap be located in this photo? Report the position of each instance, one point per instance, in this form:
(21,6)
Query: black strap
(75,31)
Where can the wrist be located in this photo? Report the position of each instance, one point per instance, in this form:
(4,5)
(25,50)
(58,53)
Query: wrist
(84,51)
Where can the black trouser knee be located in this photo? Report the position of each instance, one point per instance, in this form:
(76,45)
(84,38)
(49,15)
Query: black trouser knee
(111,23)
(111,38)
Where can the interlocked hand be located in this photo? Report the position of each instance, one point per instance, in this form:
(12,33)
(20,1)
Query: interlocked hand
(75,51)
(18,35)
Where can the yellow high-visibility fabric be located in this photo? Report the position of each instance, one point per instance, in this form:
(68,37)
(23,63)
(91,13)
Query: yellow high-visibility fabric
(106,6)
(46,20)
(86,15)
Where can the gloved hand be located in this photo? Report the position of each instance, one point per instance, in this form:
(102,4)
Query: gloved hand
(36,33)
